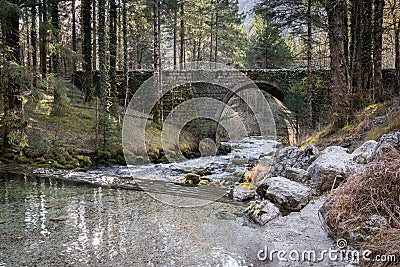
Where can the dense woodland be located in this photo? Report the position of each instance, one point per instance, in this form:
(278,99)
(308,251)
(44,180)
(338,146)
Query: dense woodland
(43,42)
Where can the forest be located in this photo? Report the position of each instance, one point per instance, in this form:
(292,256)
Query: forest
(91,174)
(43,43)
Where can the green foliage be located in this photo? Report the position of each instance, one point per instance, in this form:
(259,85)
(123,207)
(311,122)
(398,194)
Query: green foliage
(61,99)
(39,143)
(268,48)
(109,129)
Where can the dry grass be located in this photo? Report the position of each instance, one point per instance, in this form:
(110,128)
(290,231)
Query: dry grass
(375,191)
(368,124)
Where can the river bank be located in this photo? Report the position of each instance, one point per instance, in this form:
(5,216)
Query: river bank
(57,223)
(99,217)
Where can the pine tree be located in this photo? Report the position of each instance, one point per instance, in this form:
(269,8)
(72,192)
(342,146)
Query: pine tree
(267,47)
(13,122)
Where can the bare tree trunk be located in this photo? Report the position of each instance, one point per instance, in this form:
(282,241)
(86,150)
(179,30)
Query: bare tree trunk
(216,32)
(175,35)
(355,53)
(182,32)
(336,9)
(125,45)
(367,49)
(74,45)
(55,56)
(309,67)
(211,33)
(397,51)
(101,95)
(94,32)
(378,32)
(113,50)
(34,43)
(157,60)
(87,48)
(43,38)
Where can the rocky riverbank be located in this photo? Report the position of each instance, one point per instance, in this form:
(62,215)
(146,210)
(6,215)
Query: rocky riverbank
(301,177)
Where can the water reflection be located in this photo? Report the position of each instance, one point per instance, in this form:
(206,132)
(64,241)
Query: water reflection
(115,227)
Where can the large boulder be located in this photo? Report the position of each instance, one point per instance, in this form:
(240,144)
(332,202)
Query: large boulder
(392,139)
(241,193)
(262,212)
(366,152)
(331,168)
(297,175)
(293,157)
(285,193)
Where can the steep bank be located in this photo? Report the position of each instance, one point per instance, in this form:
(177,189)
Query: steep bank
(65,137)
(368,124)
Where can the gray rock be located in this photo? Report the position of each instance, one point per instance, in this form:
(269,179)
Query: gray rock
(297,175)
(366,152)
(240,161)
(287,194)
(240,193)
(365,230)
(331,168)
(293,157)
(376,222)
(261,212)
(392,139)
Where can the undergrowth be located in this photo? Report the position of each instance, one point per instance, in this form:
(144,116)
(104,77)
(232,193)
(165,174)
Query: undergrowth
(375,191)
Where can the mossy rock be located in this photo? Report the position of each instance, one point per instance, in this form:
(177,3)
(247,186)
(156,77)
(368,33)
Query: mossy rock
(70,167)
(62,161)
(45,165)
(120,159)
(84,159)
(191,179)
(22,159)
(31,153)
(8,155)
(5,160)
(41,160)
(57,165)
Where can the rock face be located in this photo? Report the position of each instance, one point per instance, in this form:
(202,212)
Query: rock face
(297,175)
(364,231)
(288,194)
(262,212)
(392,139)
(290,158)
(366,152)
(241,193)
(331,168)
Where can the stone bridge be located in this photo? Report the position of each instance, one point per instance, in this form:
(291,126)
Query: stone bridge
(275,82)
(181,85)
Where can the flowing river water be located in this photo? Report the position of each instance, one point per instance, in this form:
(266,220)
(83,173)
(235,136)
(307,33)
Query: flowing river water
(100,222)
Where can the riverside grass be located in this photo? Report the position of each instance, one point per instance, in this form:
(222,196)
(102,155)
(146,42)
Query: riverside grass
(374,191)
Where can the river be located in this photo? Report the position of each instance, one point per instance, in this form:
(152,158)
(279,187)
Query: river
(99,223)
